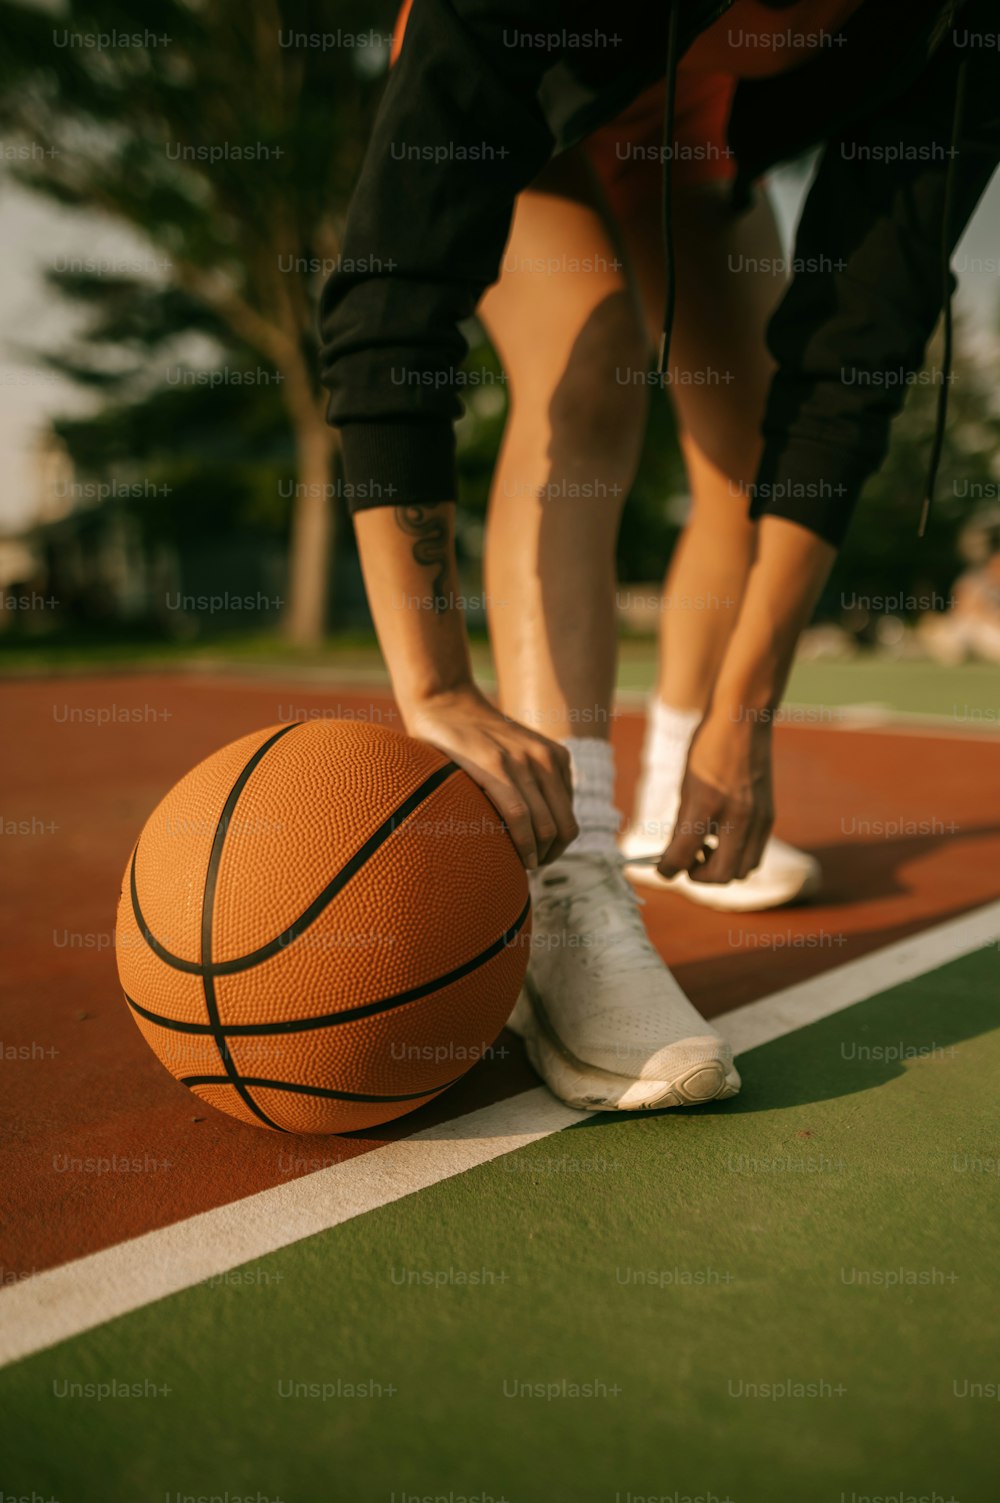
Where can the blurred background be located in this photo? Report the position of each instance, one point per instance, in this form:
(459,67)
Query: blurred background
(173,189)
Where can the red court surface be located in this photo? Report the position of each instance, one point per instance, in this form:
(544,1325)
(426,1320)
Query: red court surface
(104,1145)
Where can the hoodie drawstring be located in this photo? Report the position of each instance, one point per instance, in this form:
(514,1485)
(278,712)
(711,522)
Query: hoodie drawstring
(668,228)
(946,223)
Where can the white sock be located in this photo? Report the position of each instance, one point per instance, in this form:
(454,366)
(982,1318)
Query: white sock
(668,737)
(592,764)
(664,757)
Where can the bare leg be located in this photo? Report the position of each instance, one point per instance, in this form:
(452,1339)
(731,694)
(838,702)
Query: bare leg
(574,432)
(724,300)
(617,1031)
(722,310)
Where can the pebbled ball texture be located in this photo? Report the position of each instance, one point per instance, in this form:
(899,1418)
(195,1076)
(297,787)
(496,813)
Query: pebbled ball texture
(322,926)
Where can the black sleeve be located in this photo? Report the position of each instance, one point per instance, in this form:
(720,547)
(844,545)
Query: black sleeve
(471,113)
(850,333)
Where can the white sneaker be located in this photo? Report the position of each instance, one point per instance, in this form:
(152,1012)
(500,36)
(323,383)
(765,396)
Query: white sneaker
(785,875)
(605,1023)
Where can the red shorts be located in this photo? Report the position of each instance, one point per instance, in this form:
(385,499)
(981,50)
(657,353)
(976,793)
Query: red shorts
(627,150)
(749,40)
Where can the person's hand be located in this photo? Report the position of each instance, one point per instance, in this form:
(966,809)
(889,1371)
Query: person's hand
(726,809)
(525,775)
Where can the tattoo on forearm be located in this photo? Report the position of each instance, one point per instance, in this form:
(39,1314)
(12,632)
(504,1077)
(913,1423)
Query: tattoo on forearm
(430,547)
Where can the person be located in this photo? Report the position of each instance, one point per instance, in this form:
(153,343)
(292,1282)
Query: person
(484,103)
(581,283)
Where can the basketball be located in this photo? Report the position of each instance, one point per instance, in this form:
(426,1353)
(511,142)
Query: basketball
(322,926)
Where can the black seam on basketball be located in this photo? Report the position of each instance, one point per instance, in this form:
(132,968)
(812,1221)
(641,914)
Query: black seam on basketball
(343,876)
(348,1015)
(308,1090)
(207,918)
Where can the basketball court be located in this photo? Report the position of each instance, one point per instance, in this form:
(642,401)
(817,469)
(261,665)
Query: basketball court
(497,1297)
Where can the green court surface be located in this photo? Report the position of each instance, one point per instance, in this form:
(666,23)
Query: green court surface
(791,1296)
(968,696)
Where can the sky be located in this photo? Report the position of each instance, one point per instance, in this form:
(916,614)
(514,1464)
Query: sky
(36,234)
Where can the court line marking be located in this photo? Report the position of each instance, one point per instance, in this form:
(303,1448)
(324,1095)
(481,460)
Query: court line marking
(859,716)
(63,1302)
(806,1002)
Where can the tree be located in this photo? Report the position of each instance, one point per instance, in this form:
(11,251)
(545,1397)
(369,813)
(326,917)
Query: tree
(228,136)
(883,554)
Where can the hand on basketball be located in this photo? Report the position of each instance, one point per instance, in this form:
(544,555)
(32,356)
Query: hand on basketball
(525,775)
(726,809)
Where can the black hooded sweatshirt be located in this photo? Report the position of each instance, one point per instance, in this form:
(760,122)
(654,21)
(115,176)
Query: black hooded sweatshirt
(485,92)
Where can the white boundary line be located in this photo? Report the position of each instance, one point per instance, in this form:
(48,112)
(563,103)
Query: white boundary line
(873,716)
(856,980)
(63,1302)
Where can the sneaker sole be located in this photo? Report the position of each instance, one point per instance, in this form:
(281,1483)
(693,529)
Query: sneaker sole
(589,1088)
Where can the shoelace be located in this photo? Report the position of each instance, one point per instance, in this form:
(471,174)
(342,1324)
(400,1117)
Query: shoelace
(630,948)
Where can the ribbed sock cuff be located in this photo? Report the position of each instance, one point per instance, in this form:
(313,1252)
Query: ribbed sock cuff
(664,756)
(593,769)
(666,723)
(668,734)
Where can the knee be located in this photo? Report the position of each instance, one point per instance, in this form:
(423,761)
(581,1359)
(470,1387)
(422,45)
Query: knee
(721,435)
(597,409)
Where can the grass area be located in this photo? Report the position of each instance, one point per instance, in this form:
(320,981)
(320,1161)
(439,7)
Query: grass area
(969,693)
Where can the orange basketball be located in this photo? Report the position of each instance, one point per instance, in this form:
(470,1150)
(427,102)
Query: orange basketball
(322,926)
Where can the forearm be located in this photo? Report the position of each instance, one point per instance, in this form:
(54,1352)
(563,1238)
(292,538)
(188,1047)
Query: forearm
(408,561)
(726,792)
(790,569)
